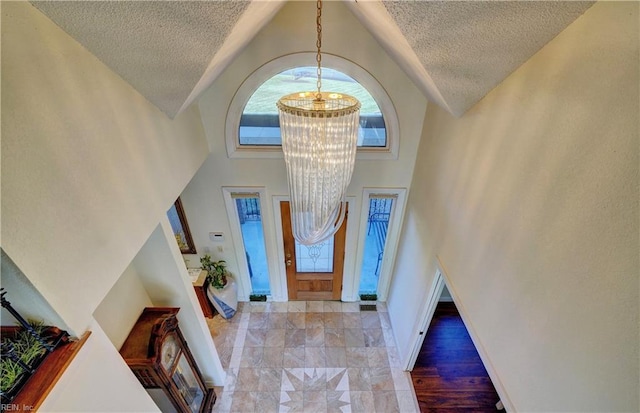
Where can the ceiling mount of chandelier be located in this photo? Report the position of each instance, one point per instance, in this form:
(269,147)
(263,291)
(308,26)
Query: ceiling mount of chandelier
(319,140)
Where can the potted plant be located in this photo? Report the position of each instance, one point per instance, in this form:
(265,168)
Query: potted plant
(216,271)
(221,287)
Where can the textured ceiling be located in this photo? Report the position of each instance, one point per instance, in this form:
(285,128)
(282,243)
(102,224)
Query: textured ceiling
(470,47)
(171,51)
(162,48)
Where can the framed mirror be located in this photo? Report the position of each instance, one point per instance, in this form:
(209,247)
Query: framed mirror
(180,227)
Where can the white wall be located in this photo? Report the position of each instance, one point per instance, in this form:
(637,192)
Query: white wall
(98,380)
(164,276)
(88,165)
(24,297)
(291,31)
(530,200)
(89,168)
(122,306)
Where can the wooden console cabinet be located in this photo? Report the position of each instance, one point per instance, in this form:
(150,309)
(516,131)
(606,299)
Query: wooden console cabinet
(160,358)
(201,292)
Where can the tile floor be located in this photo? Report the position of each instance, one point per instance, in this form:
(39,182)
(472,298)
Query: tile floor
(310,356)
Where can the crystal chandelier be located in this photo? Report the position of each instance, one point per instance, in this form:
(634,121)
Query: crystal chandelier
(319,137)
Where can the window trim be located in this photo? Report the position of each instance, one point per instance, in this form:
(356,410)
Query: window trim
(280,64)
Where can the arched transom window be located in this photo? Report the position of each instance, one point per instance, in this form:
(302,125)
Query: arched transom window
(252,124)
(259,124)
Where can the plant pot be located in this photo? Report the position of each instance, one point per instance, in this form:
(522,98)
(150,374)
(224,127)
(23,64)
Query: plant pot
(224,299)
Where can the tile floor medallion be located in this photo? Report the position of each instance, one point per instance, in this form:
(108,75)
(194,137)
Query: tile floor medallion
(313,356)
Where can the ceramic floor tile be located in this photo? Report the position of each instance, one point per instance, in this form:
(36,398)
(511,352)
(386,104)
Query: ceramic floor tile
(258,320)
(386,401)
(336,357)
(333,320)
(357,357)
(315,401)
(315,357)
(359,379)
(394,357)
(236,358)
(354,337)
(332,307)
(370,320)
(296,321)
(293,357)
(362,401)
(225,356)
(380,378)
(242,307)
(292,380)
(275,337)
(389,340)
(255,337)
(252,357)
(334,337)
(273,357)
(350,307)
(224,337)
(223,402)
(231,380)
(385,321)
(378,357)
(315,379)
(243,401)
(351,320)
(337,379)
(248,379)
(373,337)
(270,379)
(277,307)
(310,357)
(297,306)
(315,306)
(401,379)
(277,320)
(259,307)
(314,337)
(338,401)
(291,402)
(295,338)
(314,320)
(243,321)
(241,335)
(268,402)
(406,402)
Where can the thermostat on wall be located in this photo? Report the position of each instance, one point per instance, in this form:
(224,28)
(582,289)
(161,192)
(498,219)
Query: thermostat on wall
(216,236)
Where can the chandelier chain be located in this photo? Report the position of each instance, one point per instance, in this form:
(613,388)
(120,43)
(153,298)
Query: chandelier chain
(319,133)
(319,45)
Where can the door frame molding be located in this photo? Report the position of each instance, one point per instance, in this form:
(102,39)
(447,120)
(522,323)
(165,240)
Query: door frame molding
(349,259)
(426,315)
(244,281)
(440,280)
(391,243)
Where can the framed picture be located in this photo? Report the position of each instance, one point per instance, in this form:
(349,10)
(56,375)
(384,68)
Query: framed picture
(180,227)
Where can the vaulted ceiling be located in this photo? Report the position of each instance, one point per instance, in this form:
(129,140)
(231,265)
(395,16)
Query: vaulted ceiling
(454,51)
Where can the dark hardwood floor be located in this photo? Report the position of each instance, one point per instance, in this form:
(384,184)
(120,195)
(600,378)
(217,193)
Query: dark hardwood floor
(448,375)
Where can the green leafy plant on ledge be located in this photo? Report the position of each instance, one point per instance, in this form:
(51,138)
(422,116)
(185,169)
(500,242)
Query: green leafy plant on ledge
(216,270)
(29,351)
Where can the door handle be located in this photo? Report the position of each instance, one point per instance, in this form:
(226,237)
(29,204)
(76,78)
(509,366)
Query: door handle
(288,262)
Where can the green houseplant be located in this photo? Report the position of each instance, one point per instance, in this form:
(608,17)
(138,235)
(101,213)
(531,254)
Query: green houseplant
(216,271)
(222,289)
(29,350)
